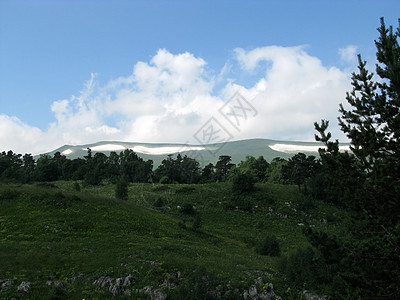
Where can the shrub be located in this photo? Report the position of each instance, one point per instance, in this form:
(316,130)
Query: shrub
(165,180)
(269,246)
(304,268)
(196,223)
(199,285)
(9,194)
(121,189)
(159,202)
(77,186)
(187,209)
(242,183)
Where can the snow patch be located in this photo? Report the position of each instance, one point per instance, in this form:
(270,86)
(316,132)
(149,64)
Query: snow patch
(66,152)
(148,150)
(107,147)
(292,148)
(165,150)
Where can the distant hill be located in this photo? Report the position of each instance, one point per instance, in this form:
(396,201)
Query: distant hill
(205,154)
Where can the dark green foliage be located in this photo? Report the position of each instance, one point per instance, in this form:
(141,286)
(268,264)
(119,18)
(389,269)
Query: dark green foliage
(269,245)
(92,177)
(10,164)
(159,202)
(188,209)
(208,173)
(134,168)
(56,200)
(242,183)
(196,226)
(366,181)
(121,188)
(274,173)
(165,180)
(198,285)
(8,193)
(178,170)
(303,269)
(298,169)
(222,167)
(77,186)
(161,188)
(242,202)
(256,167)
(46,169)
(185,190)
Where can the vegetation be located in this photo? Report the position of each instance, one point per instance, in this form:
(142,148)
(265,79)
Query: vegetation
(109,226)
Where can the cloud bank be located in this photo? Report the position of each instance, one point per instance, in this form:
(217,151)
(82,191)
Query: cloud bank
(173,95)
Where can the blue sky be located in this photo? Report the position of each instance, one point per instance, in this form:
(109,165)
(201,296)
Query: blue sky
(82,71)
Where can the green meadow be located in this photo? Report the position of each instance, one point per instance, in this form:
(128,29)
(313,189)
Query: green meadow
(184,241)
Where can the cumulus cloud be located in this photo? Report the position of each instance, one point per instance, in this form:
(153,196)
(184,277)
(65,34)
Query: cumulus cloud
(17,136)
(173,95)
(348,54)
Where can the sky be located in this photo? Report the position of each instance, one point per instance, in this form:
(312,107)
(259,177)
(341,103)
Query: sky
(77,72)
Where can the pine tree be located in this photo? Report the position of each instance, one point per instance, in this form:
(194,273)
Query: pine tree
(368,180)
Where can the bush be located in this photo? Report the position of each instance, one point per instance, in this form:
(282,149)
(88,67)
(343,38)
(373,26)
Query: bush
(304,269)
(77,186)
(242,183)
(165,180)
(196,223)
(121,189)
(199,285)
(269,246)
(188,209)
(9,194)
(159,202)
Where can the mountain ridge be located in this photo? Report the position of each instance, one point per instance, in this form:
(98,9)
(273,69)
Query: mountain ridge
(207,153)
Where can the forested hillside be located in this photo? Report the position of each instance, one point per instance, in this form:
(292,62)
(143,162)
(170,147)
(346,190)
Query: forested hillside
(113,226)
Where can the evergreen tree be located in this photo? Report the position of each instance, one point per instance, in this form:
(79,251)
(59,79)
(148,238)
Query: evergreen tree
(222,167)
(368,181)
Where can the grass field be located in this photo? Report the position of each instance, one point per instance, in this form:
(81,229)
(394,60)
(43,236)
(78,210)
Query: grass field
(165,236)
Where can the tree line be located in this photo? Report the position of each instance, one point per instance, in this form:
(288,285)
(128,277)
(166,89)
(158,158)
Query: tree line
(93,169)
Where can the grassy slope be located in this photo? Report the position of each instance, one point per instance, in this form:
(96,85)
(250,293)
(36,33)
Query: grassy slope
(44,235)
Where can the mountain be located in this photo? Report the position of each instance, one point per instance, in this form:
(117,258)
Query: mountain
(205,154)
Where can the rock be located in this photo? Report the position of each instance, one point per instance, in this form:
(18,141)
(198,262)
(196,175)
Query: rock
(75,278)
(55,283)
(154,294)
(104,282)
(7,283)
(309,296)
(115,289)
(129,280)
(119,281)
(24,286)
(259,280)
(253,292)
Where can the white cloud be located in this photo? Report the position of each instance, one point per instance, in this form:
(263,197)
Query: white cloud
(348,54)
(170,97)
(18,136)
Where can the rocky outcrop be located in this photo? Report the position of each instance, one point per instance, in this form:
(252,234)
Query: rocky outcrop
(116,286)
(6,283)
(260,291)
(308,296)
(24,286)
(155,294)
